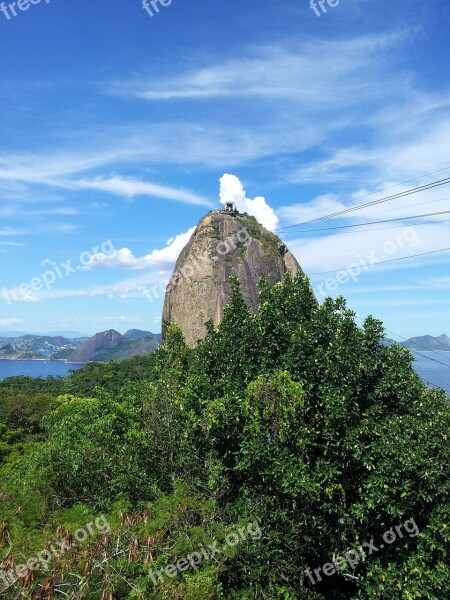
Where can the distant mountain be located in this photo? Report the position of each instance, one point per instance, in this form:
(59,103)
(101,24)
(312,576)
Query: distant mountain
(136,334)
(97,347)
(7,351)
(68,334)
(428,342)
(61,354)
(111,345)
(139,347)
(28,346)
(9,334)
(65,334)
(108,345)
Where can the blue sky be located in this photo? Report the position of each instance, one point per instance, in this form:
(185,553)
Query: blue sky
(116,128)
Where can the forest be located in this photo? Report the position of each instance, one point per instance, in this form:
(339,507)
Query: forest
(290,455)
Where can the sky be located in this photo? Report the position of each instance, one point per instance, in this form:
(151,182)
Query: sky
(122,126)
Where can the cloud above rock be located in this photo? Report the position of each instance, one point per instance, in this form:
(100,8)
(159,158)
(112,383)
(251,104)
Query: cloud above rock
(124,258)
(232,190)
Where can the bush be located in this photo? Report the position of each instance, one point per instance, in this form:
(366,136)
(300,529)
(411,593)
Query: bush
(296,417)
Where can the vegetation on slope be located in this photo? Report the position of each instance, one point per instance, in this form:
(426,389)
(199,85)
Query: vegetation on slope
(295,418)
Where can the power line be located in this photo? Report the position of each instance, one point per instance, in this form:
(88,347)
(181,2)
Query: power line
(421,346)
(402,183)
(422,188)
(415,204)
(383,261)
(444,212)
(373,228)
(433,385)
(384,211)
(447,365)
(390,187)
(438,386)
(444,383)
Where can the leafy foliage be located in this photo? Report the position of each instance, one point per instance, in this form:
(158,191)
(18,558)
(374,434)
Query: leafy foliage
(296,417)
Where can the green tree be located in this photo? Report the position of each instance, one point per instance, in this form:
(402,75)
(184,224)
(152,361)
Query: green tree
(313,444)
(295,416)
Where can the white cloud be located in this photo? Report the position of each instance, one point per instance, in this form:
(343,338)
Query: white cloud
(10,322)
(431,201)
(124,258)
(301,101)
(9,231)
(302,104)
(300,74)
(81,320)
(396,156)
(17,212)
(296,213)
(61,173)
(129,188)
(131,287)
(339,250)
(57,228)
(122,319)
(437,283)
(34,168)
(232,190)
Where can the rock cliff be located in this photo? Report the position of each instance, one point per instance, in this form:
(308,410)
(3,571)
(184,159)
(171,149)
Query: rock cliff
(111,345)
(222,245)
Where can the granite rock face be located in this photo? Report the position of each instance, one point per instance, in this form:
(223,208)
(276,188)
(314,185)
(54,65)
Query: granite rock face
(221,246)
(111,345)
(96,346)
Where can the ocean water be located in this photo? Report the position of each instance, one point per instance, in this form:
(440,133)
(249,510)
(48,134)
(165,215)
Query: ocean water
(35,368)
(433,367)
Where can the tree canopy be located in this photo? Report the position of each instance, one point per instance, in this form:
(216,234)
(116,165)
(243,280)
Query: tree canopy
(295,418)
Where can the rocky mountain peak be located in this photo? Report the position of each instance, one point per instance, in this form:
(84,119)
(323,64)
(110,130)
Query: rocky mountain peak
(97,345)
(225,243)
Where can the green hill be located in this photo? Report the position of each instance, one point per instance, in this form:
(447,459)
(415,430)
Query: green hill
(290,455)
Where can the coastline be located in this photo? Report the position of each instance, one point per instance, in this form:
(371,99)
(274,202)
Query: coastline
(60,360)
